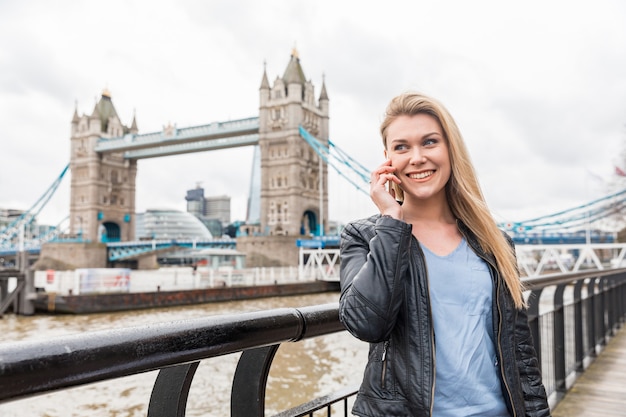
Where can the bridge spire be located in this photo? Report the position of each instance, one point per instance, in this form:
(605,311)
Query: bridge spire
(323,93)
(265,84)
(75,118)
(293,72)
(133,127)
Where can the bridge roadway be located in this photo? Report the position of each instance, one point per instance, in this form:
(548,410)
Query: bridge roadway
(601,390)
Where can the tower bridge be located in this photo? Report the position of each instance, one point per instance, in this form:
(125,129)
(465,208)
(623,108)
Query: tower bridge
(293,191)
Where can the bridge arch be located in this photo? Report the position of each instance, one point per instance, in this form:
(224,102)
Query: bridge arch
(309,223)
(110,232)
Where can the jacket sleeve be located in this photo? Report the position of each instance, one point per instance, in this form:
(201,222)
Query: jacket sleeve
(535,398)
(374,256)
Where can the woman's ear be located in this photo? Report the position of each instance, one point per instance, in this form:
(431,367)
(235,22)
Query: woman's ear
(385,152)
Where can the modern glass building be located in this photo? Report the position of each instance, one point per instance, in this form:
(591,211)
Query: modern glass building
(214,207)
(169,224)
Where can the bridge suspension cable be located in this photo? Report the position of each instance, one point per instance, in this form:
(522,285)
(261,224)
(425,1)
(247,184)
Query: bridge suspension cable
(60,228)
(575,218)
(10,232)
(346,166)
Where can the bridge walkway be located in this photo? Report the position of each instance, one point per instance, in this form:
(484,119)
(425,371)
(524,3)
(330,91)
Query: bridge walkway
(601,390)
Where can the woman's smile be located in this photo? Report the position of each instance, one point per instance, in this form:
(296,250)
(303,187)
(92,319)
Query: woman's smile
(420,175)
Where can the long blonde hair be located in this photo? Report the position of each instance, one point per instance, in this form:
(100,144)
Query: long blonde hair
(462,190)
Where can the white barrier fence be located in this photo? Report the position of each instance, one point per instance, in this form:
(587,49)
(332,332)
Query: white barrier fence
(319,264)
(535,260)
(121,280)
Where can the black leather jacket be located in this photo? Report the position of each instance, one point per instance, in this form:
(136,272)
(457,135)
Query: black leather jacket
(385,301)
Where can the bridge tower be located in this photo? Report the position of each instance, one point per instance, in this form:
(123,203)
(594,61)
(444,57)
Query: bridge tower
(294,180)
(102,194)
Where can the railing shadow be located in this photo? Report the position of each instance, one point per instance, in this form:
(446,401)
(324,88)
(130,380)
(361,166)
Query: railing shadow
(572,317)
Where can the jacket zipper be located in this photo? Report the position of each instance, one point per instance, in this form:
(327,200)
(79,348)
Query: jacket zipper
(508,390)
(434,370)
(383,359)
(432,346)
(432,334)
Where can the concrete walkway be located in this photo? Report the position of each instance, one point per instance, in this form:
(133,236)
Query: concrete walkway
(601,390)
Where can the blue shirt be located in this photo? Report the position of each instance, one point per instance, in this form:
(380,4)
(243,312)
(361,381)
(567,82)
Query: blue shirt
(467,381)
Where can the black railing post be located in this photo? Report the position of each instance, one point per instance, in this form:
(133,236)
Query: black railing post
(559,339)
(601,312)
(171,390)
(612,305)
(579,348)
(247,397)
(591,317)
(622,299)
(533,320)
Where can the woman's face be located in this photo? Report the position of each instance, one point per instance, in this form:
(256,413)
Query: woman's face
(419,152)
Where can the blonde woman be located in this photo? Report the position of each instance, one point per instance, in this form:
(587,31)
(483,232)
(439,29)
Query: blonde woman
(432,284)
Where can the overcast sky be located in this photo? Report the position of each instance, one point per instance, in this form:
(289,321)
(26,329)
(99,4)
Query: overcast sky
(538,88)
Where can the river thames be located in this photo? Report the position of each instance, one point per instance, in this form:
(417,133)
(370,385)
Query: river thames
(300,372)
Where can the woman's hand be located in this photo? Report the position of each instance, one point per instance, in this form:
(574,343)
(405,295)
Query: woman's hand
(381,191)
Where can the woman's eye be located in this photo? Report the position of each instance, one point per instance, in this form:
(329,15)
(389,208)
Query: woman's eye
(430,141)
(400,147)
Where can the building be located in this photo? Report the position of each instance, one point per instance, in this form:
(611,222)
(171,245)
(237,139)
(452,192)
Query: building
(8,216)
(169,224)
(294,179)
(218,207)
(102,202)
(214,212)
(195,201)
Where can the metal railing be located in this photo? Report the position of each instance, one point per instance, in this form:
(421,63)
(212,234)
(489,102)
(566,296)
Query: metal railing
(572,317)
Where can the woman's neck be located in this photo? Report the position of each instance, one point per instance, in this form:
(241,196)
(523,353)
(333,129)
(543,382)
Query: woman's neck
(434,225)
(427,211)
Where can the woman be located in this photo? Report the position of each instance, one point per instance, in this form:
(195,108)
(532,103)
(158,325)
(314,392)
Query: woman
(432,283)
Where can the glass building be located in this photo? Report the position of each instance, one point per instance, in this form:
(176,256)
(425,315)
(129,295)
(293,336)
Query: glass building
(195,201)
(169,224)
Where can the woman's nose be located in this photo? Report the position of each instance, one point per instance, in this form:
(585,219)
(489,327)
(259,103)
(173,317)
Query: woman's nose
(417,156)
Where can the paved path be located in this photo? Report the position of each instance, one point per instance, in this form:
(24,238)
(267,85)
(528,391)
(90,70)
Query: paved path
(601,390)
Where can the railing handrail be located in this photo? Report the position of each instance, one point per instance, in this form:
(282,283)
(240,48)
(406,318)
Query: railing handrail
(555,279)
(33,367)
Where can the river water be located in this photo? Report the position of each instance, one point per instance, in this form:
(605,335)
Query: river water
(300,371)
